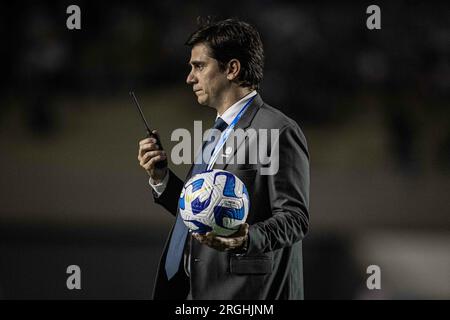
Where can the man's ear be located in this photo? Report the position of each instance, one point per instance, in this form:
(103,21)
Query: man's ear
(233,69)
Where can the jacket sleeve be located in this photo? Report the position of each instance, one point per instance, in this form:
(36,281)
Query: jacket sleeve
(288,191)
(169,198)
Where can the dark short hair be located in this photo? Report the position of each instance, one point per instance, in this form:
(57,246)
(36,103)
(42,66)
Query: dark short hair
(233,39)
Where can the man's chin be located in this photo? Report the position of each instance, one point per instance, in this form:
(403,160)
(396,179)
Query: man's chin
(201,100)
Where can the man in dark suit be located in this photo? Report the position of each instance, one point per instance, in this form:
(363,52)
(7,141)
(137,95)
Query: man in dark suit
(263,260)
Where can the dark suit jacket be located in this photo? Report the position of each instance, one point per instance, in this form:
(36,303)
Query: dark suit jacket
(278,218)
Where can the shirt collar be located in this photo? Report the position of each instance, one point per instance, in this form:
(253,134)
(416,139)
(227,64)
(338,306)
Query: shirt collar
(232,111)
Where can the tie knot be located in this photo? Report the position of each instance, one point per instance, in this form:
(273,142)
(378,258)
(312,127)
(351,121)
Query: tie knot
(220,124)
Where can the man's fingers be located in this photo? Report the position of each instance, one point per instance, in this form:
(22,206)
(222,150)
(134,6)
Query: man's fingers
(151,145)
(158,156)
(216,243)
(146,140)
(148,155)
(147,147)
(242,231)
(210,235)
(199,237)
(206,238)
(222,243)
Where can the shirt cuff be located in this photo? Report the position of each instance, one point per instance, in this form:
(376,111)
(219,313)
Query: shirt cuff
(159,188)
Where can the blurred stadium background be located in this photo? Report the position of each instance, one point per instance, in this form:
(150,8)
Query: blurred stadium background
(374,106)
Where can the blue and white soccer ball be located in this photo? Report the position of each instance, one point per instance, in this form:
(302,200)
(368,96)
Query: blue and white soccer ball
(214,200)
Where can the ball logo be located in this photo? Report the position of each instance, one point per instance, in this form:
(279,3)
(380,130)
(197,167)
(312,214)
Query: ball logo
(195,194)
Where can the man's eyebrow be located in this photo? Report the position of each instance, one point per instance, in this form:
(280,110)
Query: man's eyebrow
(196,62)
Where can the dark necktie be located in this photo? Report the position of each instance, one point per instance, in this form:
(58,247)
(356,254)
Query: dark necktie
(177,241)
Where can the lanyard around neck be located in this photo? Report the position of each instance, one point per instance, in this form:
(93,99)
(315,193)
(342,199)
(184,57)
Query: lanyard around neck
(226,134)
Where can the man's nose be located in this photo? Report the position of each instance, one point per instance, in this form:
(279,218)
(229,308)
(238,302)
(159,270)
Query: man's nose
(190,78)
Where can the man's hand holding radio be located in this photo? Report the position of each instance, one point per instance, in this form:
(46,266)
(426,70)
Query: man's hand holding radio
(149,155)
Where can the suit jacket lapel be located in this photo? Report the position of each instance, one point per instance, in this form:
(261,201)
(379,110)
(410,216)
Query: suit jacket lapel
(243,123)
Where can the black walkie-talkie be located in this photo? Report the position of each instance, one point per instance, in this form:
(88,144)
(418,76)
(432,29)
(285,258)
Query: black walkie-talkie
(159,164)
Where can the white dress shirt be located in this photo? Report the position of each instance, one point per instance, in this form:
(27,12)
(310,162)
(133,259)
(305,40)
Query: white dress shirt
(227,116)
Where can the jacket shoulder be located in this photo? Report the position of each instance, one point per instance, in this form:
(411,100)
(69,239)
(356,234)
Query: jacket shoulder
(273,118)
(269,117)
